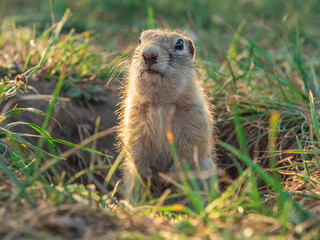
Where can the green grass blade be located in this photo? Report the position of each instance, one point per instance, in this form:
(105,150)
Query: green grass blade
(264,176)
(15,181)
(2,34)
(14,158)
(314,117)
(229,192)
(150,18)
(38,66)
(18,111)
(239,129)
(85,171)
(90,150)
(306,168)
(225,54)
(53,18)
(253,189)
(7,171)
(48,116)
(195,197)
(113,168)
(186,187)
(272,145)
(233,48)
(246,159)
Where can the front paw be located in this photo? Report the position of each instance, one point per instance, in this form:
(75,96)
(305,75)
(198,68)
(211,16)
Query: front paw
(147,173)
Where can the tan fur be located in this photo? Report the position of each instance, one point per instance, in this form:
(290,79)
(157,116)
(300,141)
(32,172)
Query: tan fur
(147,100)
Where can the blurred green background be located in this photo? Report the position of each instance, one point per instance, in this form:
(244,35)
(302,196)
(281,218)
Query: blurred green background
(116,23)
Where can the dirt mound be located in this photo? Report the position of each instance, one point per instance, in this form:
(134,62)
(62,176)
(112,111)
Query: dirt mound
(74,121)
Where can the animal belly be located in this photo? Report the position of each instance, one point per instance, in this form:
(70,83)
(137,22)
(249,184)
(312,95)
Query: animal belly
(160,159)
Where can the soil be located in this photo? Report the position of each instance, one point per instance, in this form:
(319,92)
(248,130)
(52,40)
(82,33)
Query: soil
(73,121)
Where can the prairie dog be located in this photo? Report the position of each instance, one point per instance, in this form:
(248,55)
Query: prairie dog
(162,75)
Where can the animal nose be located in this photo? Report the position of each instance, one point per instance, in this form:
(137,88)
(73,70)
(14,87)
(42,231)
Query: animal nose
(150,58)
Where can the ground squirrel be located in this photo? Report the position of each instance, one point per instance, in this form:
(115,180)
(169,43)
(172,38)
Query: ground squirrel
(162,76)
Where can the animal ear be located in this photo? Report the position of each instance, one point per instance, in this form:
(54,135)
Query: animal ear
(192,48)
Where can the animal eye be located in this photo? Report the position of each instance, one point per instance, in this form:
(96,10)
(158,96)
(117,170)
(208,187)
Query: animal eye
(179,45)
(140,40)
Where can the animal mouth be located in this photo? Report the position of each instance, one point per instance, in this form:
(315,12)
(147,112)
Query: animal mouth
(151,71)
